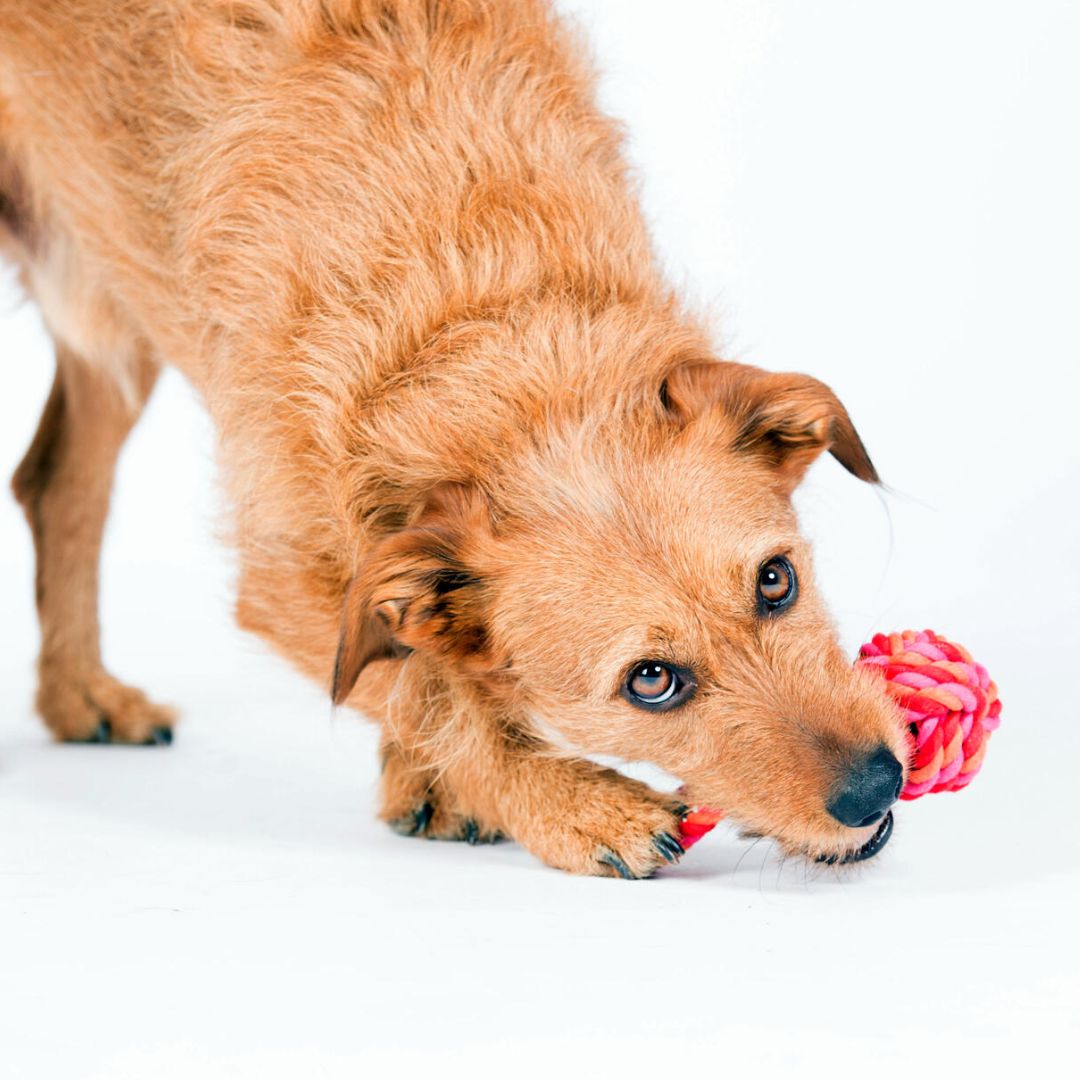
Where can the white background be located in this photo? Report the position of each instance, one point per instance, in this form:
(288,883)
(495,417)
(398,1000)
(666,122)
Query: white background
(884,195)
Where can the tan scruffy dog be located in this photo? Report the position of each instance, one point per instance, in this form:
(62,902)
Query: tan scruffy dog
(487,480)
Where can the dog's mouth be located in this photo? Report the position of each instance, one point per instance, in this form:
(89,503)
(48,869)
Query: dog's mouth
(872,846)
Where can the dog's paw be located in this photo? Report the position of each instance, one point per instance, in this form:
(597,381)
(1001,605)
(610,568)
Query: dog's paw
(96,708)
(416,803)
(431,820)
(615,828)
(666,846)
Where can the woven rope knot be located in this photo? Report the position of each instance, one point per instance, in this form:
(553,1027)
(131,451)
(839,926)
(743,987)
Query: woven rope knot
(948,702)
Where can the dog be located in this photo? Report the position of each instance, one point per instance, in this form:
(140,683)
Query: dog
(487,480)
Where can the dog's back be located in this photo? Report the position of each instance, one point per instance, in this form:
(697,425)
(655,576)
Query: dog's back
(167,169)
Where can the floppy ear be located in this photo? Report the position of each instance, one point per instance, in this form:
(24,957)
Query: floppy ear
(788,419)
(415,592)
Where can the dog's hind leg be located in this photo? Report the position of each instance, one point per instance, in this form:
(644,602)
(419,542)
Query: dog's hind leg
(64,485)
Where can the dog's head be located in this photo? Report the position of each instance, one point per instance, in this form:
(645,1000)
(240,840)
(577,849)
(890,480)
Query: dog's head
(640,589)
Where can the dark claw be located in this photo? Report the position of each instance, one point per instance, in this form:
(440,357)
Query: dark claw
(669,847)
(102,734)
(415,823)
(421,818)
(160,736)
(671,844)
(611,859)
(472,832)
(681,811)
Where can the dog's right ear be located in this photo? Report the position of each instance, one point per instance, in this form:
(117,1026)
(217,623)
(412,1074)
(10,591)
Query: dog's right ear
(416,591)
(782,418)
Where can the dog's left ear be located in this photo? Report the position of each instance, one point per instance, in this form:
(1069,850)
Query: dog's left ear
(416,591)
(787,419)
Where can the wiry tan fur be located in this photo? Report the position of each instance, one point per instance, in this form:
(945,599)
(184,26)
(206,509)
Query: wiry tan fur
(478,459)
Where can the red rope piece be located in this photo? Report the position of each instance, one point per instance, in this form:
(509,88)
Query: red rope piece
(947,703)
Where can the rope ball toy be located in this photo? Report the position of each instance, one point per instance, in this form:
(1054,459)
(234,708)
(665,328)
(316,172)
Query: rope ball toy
(947,702)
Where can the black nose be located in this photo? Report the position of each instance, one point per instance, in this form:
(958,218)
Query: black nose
(868,790)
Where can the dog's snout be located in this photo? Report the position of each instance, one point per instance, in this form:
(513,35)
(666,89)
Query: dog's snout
(868,790)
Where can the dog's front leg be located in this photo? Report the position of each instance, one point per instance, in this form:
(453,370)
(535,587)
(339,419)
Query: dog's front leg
(415,800)
(463,770)
(576,815)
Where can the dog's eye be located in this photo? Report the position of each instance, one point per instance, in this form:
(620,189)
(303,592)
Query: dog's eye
(652,682)
(776,585)
(654,685)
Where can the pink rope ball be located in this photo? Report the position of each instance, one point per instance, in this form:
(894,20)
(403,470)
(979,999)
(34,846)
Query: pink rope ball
(947,703)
